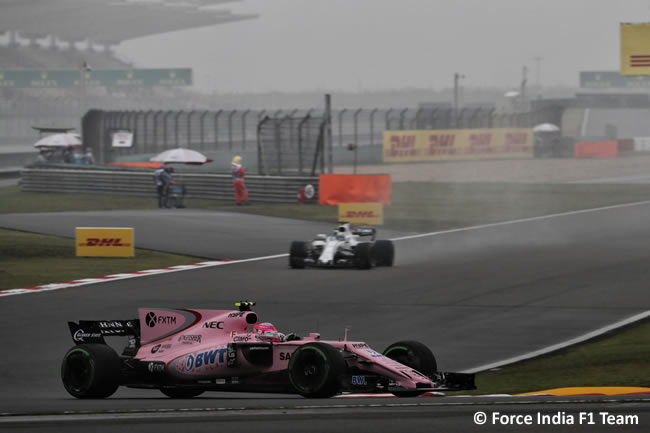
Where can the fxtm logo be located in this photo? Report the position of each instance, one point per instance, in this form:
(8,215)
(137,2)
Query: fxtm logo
(152,320)
(104,242)
(360,214)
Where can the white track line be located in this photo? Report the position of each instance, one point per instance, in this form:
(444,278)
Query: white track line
(564,344)
(522,220)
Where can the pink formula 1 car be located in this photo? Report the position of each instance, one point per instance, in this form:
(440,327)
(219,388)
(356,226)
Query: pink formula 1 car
(186,352)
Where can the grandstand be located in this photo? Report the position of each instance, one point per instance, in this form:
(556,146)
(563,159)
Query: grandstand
(66,34)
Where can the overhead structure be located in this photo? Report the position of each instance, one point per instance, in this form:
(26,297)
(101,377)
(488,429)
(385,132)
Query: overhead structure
(108,22)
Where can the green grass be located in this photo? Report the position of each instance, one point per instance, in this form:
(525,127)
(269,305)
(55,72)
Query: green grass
(28,260)
(417,206)
(619,359)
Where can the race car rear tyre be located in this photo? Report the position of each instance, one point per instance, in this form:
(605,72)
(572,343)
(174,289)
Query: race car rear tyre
(384,253)
(315,370)
(181,393)
(297,254)
(415,355)
(363,255)
(91,371)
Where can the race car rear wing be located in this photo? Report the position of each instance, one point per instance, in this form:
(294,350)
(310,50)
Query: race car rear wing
(94,331)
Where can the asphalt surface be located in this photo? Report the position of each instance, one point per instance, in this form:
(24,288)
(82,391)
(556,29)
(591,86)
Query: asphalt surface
(474,296)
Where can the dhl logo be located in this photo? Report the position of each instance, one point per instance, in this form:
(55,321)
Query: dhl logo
(360,214)
(401,141)
(104,242)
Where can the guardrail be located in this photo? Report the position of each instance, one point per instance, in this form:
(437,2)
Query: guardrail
(136,183)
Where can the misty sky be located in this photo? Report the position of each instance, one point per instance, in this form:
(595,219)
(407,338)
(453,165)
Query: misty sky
(350,45)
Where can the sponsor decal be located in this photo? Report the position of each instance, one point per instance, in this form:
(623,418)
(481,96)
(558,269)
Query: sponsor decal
(160,348)
(285,356)
(360,345)
(362,213)
(79,335)
(232,356)
(236,314)
(405,146)
(189,339)
(156,367)
(209,358)
(359,380)
(213,325)
(104,242)
(110,324)
(152,320)
(242,338)
(373,354)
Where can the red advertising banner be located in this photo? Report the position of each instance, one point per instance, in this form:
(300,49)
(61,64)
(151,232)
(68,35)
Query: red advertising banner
(353,188)
(596,149)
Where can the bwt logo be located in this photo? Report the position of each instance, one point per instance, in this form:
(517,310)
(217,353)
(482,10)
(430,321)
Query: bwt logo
(152,320)
(104,242)
(360,214)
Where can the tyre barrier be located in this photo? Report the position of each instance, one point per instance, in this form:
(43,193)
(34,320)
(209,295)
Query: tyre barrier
(138,183)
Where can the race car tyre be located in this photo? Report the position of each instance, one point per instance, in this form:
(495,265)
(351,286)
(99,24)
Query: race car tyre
(315,370)
(91,371)
(297,254)
(415,355)
(363,256)
(181,393)
(384,253)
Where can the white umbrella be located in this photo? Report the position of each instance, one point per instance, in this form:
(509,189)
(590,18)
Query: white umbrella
(59,140)
(546,127)
(181,156)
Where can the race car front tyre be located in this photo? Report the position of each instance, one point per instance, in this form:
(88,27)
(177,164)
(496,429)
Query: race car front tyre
(181,393)
(91,371)
(363,255)
(384,253)
(315,370)
(415,355)
(297,254)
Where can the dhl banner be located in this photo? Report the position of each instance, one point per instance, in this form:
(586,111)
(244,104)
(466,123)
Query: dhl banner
(635,49)
(104,242)
(354,188)
(457,144)
(362,213)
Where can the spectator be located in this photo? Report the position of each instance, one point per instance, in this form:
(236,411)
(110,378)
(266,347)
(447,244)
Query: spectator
(238,174)
(163,178)
(88,157)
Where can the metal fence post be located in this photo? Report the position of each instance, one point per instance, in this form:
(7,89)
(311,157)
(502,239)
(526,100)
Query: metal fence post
(243,129)
(176,128)
(189,129)
(340,114)
(216,129)
(372,126)
(402,115)
(387,118)
(202,126)
(230,115)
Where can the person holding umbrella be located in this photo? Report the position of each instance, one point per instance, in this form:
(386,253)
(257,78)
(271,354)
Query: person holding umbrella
(238,173)
(163,178)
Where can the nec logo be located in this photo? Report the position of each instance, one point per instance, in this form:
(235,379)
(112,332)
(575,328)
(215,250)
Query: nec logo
(104,242)
(213,325)
(360,214)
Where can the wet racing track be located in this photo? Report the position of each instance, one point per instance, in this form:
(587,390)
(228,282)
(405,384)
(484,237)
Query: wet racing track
(474,296)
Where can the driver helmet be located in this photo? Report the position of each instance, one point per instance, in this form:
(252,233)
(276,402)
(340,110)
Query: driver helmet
(236,159)
(267,331)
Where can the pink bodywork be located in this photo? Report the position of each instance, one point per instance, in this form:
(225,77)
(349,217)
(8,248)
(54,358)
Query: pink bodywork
(193,344)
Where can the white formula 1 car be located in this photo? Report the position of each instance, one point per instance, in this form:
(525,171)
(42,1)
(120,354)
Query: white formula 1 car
(348,246)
